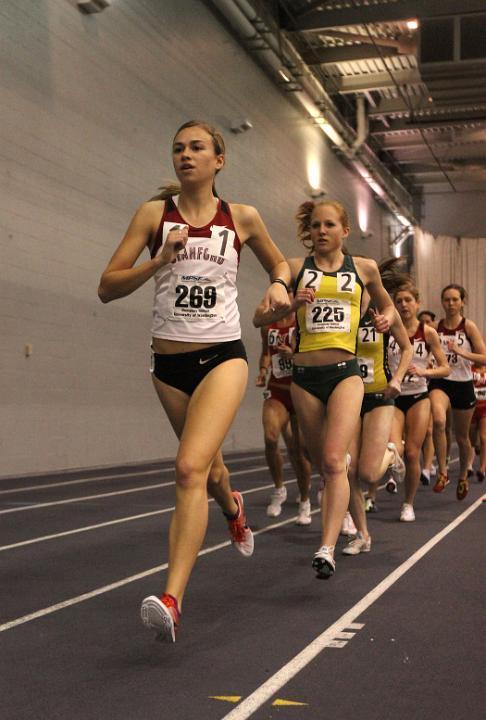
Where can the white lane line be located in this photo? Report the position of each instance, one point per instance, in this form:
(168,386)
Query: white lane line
(117,476)
(116,492)
(126,581)
(327,639)
(130,518)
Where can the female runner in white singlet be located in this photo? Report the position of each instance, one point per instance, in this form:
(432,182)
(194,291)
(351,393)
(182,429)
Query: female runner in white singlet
(199,364)
(462,343)
(412,406)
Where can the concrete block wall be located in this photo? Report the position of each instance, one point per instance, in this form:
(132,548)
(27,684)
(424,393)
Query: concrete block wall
(89,108)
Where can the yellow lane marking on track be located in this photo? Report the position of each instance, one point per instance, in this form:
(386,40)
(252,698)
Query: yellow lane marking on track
(237,698)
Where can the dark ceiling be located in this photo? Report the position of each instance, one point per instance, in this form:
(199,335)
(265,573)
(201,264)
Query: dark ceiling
(424,87)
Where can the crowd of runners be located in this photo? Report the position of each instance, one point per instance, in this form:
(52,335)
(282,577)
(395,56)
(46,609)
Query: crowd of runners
(359,382)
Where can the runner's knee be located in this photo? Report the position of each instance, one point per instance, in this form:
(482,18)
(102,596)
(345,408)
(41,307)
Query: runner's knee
(190,472)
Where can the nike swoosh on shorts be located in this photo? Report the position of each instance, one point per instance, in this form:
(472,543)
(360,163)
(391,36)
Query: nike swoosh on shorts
(203,362)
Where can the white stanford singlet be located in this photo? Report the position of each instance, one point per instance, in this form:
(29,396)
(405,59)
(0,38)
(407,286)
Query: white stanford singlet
(195,296)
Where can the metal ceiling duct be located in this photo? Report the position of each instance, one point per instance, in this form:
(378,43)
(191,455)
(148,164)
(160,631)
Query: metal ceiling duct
(280,58)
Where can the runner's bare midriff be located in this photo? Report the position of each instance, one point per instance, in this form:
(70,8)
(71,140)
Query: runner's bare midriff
(322,357)
(170,347)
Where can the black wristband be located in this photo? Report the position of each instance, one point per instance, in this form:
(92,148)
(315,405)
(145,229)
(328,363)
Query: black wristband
(282,282)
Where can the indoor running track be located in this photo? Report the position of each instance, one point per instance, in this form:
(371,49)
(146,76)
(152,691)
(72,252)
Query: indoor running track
(398,632)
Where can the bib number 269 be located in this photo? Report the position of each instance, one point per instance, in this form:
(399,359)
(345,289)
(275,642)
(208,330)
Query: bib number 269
(195,296)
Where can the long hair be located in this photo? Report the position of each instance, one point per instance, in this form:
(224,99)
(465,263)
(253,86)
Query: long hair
(304,215)
(394,279)
(173,188)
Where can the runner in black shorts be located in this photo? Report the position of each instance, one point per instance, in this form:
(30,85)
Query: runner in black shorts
(412,407)
(278,415)
(463,344)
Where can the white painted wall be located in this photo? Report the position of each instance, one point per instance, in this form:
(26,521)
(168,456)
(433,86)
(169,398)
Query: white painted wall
(89,108)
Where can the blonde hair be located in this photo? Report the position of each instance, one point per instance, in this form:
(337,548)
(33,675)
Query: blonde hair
(304,216)
(173,188)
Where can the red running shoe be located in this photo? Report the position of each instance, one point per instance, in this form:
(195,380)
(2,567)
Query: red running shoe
(441,482)
(161,614)
(241,535)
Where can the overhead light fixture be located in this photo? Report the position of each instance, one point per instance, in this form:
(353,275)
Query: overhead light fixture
(240,126)
(92,6)
(412,24)
(284,75)
(315,192)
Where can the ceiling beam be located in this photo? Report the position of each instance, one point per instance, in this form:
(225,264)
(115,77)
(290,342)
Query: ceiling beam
(391,12)
(374,81)
(346,53)
(427,111)
(427,124)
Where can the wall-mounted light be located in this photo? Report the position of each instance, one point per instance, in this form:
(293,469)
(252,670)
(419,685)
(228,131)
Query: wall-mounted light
(366,235)
(412,24)
(240,126)
(314,192)
(92,6)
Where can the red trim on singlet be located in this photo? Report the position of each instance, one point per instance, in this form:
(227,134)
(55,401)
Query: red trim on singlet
(221,217)
(419,335)
(441,328)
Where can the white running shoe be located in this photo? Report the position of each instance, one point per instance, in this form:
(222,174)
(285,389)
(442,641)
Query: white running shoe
(323,562)
(407,514)
(397,467)
(433,469)
(391,485)
(358,545)
(277,498)
(348,527)
(162,615)
(304,517)
(370,505)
